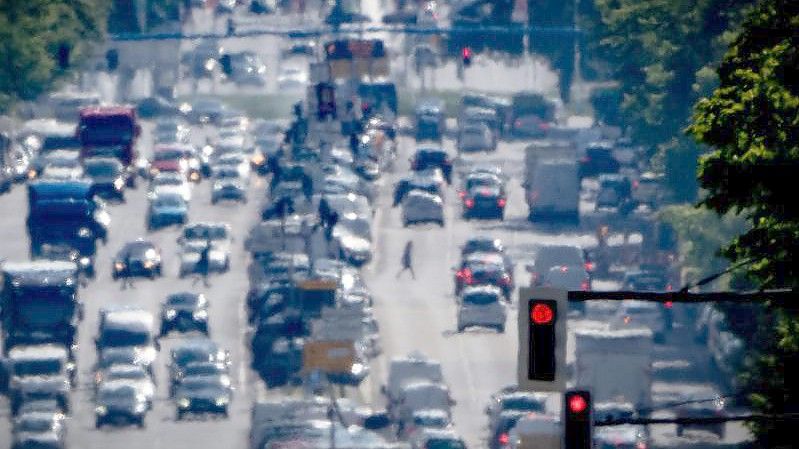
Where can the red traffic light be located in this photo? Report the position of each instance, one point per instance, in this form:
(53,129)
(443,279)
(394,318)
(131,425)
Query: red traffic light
(577,404)
(542,314)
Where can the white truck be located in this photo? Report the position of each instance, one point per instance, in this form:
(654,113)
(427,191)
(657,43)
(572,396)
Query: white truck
(554,191)
(414,368)
(615,365)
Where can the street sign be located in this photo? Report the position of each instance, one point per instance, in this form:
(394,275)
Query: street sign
(542,339)
(328,356)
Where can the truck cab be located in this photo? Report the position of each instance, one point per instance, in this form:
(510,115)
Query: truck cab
(40,303)
(109,131)
(65,211)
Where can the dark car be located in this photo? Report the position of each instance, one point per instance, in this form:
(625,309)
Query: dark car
(108,176)
(431,157)
(39,430)
(138,258)
(484,269)
(485,202)
(416,181)
(36,388)
(207,369)
(156,106)
(194,350)
(120,403)
(598,159)
(202,394)
(482,244)
(499,437)
(122,355)
(184,311)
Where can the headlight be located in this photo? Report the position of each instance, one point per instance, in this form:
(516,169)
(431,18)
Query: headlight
(221,401)
(85,261)
(153,171)
(31,174)
(357,368)
(185,108)
(119,183)
(258,159)
(209,64)
(184,402)
(171,313)
(200,315)
(100,410)
(141,407)
(84,232)
(148,264)
(119,266)
(207,150)
(194,176)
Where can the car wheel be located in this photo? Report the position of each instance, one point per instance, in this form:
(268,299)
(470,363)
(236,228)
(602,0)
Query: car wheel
(140,423)
(405,224)
(501,329)
(679,430)
(461,328)
(98,423)
(441,223)
(180,416)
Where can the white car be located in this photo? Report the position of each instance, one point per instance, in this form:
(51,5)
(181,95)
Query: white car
(170,182)
(481,306)
(422,207)
(476,137)
(134,375)
(422,395)
(638,314)
(353,237)
(190,251)
(239,161)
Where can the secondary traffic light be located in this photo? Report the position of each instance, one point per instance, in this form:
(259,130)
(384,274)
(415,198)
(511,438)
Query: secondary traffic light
(577,419)
(112,59)
(542,339)
(466,56)
(62,56)
(227,64)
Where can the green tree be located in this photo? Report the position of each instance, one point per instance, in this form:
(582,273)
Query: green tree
(752,123)
(661,52)
(31,32)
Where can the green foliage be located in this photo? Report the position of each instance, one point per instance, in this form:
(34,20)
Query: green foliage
(30,34)
(702,235)
(661,52)
(752,122)
(124,15)
(606,102)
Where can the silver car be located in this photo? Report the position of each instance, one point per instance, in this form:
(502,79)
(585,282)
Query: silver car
(481,306)
(476,137)
(422,207)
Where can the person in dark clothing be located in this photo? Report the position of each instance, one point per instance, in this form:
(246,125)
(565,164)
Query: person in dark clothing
(354,143)
(332,220)
(406,260)
(127,279)
(203,265)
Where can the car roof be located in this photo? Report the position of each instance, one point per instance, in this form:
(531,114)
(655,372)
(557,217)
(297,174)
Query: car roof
(481,290)
(38,352)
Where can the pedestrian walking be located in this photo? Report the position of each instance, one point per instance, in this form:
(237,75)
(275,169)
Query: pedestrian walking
(203,265)
(331,221)
(406,260)
(127,279)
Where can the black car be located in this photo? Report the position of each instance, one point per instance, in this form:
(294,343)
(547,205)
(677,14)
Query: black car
(416,181)
(120,403)
(108,176)
(122,355)
(425,158)
(37,388)
(484,269)
(137,258)
(485,202)
(194,350)
(184,311)
(202,394)
(482,245)
(598,159)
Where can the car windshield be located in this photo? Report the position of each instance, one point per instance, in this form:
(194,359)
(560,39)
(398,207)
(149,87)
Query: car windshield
(116,394)
(183,300)
(102,169)
(202,369)
(131,374)
(168,155)
(444,443)
(205,232)
(523,404)
(169,201)
(480,299)
(33,424)
(167,181)
(124,337)
(37,367)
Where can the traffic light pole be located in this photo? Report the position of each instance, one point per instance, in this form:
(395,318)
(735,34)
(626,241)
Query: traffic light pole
(785,298)
(698,420)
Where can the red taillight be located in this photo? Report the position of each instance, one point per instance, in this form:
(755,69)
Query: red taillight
(669,287)
(589,266)
(564,269)
(640,445)
(505,279)
(466,52)
(668,304)
(464,274)
(501,202)
(469,203)
(585,286)
(503,438)
(635,184)
(461,194)
(544,126)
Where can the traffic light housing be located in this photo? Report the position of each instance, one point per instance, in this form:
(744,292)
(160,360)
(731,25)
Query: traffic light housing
(112,59)
(466,56)
(227,64)
(577,420)
(63,56)
(542,339)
